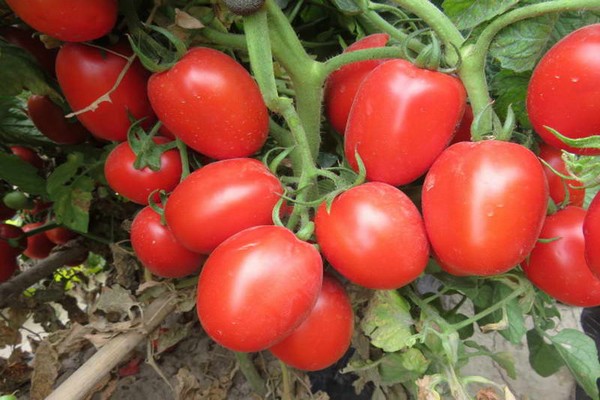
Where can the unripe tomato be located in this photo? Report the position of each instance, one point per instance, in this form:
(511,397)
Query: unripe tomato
(591,231)
(558,186)
(38,245)
(257,287)
(51,122)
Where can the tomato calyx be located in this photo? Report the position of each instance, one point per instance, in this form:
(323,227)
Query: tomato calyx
(589,142)
(480,130)
(159,208)
(147,152)
(153,55)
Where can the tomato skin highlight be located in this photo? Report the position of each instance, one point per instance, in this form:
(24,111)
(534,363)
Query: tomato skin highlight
(86,73)
(220,200)
(591,231)
(257,287)
(360,236)
(557,185)
(158,250)
(399,133)
(68,20)
(484,204)
(342,85)
(50,120)
(559,267)
(562,92)
(212,104)
(137,184)
(325,336)
(38,246)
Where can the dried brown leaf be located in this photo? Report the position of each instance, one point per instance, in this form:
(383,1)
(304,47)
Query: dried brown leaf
(186,21)
(187,386)
(117,300)
(126,265)
(487,394)
(9,336)
(45,371)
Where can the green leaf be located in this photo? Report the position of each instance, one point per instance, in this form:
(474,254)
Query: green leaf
(388,321)
(543,357)
(504,359)
(580,354)
(21,174)
(465,332)
(510,89)
(572,20)
(406,366)
(16,127)
(467,14)
(349,7)
(514,320)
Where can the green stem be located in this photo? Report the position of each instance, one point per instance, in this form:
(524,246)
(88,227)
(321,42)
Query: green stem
(231,40)
(43,228)
(361,55)
(380,23)
(185,164)
(285,378)
(249,370)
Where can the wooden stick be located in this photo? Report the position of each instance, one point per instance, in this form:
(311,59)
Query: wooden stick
(78,385)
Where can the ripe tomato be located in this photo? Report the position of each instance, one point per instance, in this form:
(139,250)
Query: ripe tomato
(559,267)
(220,200)
(158,250)
(24,39)
(28,155)
(51,122)
(399,133)
(86,73)
(484,204)
(591,231)
(68,20)
(137,184)
(325,336)
(38,246)
(257,287)
(558,186)
(360,234)
(8,231)
(212,104)
(343,84)
(463,132)
(60,235)
(6,212)
(562,93)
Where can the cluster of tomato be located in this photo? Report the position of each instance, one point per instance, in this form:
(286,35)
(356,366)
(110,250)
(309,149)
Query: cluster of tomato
(483,203)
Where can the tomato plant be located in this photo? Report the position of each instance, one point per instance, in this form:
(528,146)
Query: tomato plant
(591,232)
(38,245)
(360,233)
(560,187)
(50,120)
(484,204)
(257,287)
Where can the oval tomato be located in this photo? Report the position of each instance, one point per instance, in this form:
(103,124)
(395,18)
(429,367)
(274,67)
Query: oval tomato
(325,336)
(399,133)
(8,231)
(562,92)
(220,200)
(38,245)
(484,204)
(60,235)
(559,267)
(257,287)
(68,20)
(342,85)
(28,155)
(558,186)
(51,122)
(86,73)
(360,236)
(591,231)
(24,39)
(212,104)
(137,184)
(157,248)
(463,132)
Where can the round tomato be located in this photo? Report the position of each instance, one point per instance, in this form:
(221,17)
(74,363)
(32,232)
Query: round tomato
(24,39)
(559,267)
(257,287)
(325,336)
(86,73)
(484,204)
(7,232)
(558,186)
(68,20)
(212,104)
(463,132)
(158,250)
(51,122)
(28,155)
(342,85)
(220,200)
(38,245)
(563,91)
(60,235)
(399,133)
(360,236)
(591,231)
(137,184)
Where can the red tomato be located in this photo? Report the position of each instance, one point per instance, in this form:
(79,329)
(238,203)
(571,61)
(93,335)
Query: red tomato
(399,133)
(212,104)
(28,155)
(342,85)
(68,20)
(484,204)
(591,231)
(559,267)
(220,200)
(8,231)
(137,184)
(24,38)
(51,122)
(563,91)
(360,236)
(158,250)
(463,132)
(325,336)
(257,287)
(8,266)
(60,235)
(86,73)
(38,246)
(559,186)
(5,212)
